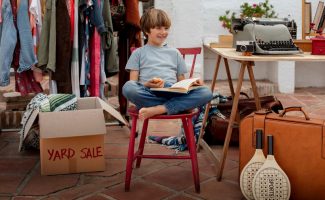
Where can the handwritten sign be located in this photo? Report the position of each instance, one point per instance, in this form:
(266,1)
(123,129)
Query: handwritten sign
(70,153)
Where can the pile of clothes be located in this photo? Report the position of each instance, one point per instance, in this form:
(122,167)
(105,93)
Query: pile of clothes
(29,137)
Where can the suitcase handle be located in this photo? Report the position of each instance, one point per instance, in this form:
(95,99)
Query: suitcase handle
(290,109)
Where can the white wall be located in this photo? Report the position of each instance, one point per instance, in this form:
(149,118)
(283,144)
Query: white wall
(195,21)
(187,25)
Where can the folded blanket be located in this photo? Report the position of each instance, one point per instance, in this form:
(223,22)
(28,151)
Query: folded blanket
(42,103)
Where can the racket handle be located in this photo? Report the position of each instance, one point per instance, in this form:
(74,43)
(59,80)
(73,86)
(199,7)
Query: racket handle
(259,139)
(270,145)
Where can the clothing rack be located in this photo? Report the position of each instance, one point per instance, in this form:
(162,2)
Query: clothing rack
(129,34)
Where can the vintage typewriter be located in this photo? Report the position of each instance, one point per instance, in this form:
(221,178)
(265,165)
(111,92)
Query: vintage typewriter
(271,37)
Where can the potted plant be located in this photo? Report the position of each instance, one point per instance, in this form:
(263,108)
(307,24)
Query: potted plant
(262,9)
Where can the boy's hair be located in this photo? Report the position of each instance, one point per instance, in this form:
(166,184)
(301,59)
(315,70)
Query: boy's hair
(154,18)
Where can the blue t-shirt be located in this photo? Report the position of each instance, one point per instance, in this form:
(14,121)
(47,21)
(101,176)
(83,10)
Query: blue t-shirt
(164,62)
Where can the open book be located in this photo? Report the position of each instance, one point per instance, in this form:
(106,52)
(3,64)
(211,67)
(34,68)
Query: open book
(183,86)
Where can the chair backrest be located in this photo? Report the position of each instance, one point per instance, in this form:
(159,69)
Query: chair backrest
(190,51)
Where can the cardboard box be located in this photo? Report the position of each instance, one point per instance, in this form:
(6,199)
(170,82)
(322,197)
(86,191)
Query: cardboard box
(73,141)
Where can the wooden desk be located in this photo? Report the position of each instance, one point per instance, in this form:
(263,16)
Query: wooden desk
(246,62)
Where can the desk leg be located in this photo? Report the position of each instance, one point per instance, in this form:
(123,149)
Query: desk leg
(253,83)
(231,120)
(214,78)
(231,87)
(207,106)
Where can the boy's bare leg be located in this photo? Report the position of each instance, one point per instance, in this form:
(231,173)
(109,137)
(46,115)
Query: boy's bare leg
(145,113)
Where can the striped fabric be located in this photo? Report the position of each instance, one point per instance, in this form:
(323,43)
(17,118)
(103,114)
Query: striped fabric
(60,102)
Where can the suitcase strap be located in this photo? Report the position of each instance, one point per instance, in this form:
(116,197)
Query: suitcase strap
(294,108)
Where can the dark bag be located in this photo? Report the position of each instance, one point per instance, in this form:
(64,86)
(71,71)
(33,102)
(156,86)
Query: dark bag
(216,129)
(118,14)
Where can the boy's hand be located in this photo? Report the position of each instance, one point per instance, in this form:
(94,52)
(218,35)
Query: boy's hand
(155,83)
(198,82)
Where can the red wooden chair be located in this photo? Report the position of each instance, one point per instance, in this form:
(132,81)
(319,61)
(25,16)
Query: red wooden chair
(188,129)
(191,51)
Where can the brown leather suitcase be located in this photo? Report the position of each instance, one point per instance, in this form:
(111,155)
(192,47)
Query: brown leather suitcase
(216,129)
(299,148)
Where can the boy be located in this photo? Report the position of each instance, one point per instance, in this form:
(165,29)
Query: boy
(157,65)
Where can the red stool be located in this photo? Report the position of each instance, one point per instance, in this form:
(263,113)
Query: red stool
(138,155)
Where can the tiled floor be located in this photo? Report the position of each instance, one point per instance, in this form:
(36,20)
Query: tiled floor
(156,179)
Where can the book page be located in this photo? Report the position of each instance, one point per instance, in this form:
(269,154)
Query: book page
(173,90)
(186,83)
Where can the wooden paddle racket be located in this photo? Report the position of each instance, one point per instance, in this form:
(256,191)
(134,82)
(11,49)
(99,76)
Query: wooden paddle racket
(250,169)
(270,182)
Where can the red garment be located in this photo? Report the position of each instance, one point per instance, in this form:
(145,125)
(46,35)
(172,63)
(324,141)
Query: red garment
(132,13)
(95,63)
(132,17)
(24,81)
(72,19)
(0,11)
